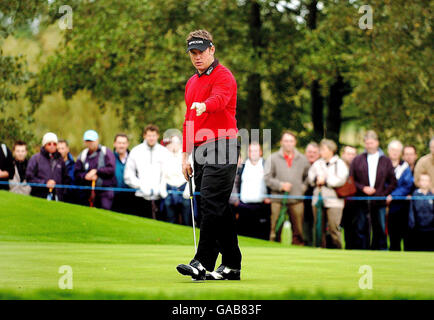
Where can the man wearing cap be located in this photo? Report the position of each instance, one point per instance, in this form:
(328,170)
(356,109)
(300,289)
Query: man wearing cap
(210,133)
(47,167)
(96,163)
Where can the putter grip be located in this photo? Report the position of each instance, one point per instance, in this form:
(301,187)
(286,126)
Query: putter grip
(190,185)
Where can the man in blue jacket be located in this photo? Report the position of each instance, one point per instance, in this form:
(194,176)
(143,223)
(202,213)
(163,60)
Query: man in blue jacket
(398,209)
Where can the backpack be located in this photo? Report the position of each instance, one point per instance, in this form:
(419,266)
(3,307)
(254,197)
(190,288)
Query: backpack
(101,161)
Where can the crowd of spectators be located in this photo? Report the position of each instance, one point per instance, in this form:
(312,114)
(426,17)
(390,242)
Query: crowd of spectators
(389,209)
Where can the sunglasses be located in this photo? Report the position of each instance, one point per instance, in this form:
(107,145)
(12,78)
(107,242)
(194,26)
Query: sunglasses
(51,144)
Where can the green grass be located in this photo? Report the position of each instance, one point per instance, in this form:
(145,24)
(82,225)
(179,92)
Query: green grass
(115,256)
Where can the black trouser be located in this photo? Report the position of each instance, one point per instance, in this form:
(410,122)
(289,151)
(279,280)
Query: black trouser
(421,240)
(348,217)
(214,179)
(370,217)
(397,224)
(123,202)
(254,220)
(147,208)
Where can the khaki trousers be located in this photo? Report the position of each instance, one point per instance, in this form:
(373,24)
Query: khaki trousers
(334,217)
(296,213)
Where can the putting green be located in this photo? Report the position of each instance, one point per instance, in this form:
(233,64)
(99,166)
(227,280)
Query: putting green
(115,256)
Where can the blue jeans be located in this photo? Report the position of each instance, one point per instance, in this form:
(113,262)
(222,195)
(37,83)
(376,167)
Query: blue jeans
(369,218)
(175,204)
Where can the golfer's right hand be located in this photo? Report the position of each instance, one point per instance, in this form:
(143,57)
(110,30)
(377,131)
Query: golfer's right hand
(187,170)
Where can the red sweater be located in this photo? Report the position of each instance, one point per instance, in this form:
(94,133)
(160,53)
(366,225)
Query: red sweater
(216,88)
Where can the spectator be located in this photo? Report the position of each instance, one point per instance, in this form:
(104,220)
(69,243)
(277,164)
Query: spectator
(421,216)
(312,152)
(326,174)
(20,165)
(410,156)
(348,216)
(70,195)
(373,176)
(425,165)
(312,155)
(348,155)
(397,222)
(123,201)
(177,207)
(6,166)
(286,171)
(96,163)
(47,167)
(252,206)
(143,171)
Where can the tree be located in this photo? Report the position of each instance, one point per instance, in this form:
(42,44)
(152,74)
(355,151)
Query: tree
(13,70)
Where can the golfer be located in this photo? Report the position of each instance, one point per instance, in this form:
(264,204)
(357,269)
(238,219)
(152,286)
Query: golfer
(210,133)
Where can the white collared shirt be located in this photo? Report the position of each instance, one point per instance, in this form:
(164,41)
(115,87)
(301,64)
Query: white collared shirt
(372,167)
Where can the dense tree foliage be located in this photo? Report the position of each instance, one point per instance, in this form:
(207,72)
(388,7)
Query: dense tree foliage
(305,66)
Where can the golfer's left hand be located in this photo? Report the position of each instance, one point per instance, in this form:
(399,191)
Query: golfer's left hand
(200,108)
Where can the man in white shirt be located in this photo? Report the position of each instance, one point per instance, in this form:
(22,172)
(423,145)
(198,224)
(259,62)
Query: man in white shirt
(374,176)
(372,167)
(143,171)
(252,207)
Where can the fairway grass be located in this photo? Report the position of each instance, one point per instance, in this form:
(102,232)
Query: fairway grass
(115,256)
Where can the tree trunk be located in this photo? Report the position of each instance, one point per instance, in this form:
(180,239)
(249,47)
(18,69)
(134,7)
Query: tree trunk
(337,93)
(254,94)
(317,103)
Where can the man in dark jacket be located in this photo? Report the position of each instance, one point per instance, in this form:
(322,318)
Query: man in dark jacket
(47,167)
(20,164)
(96,163)
(6,166)
(374,176)
(123,201)
(70,195)
(63,148)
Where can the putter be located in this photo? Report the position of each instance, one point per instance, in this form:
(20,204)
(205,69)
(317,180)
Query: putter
(192,211)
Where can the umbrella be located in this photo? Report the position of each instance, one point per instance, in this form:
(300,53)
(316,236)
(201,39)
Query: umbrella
(92,195)
(282,214)
(318,226)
